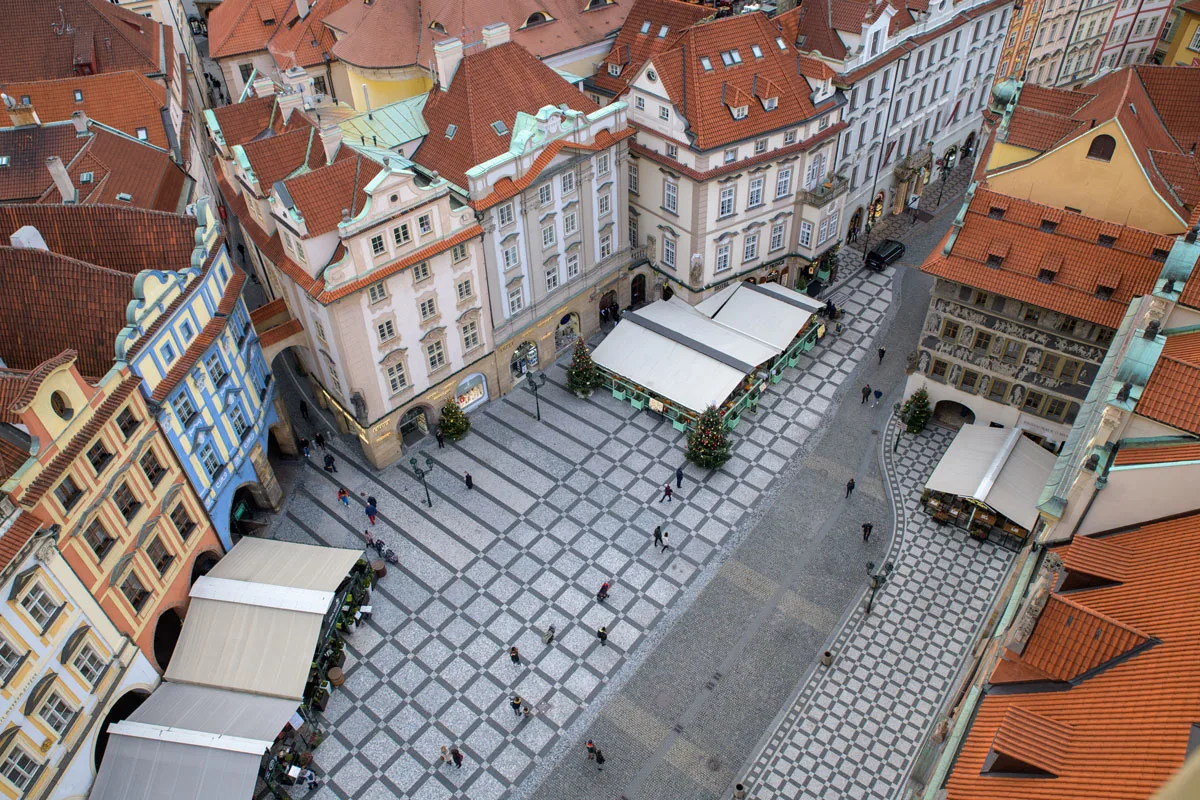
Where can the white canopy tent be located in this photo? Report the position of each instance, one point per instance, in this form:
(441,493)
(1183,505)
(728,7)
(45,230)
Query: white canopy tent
(998,467)
(768,312)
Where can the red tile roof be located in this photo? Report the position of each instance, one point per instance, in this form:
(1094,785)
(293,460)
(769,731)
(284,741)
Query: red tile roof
(12,457)
(99,35)
(490,85)
(1122,732)
(254,116)
(304,42)
(17,535)
(1164,454)
(808,27)
(1172,395)
(279,156)
(124,100)
(321,195)
(280,332)
(706,99)
(236,27)
(397,33)
(1071,640)
(1072,251)
(633,46)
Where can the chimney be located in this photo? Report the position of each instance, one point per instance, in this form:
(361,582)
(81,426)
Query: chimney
(80,120)
(494,34)
(447,54)
(263,86)
(22,114)
(61,179)
(289,102)
(302,8)
(28,237)
(331,138)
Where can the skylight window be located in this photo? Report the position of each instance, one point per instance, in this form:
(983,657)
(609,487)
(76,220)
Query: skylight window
(736,56)
(451,129)
(662,32)
(5,161)
(779,41)
(500,128)
(126,196)
(756,50)
(704,62)
(645,27)
(726,58)
(78,95)
(87,177)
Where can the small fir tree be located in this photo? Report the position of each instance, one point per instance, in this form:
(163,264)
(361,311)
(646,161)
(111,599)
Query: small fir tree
(916,411)
(454,424)
(583,375)
(708,446)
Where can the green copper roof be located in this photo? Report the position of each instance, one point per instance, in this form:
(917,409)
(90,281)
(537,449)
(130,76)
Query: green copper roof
(391,125)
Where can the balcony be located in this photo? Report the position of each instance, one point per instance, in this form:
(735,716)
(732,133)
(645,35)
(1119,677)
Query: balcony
(824,193)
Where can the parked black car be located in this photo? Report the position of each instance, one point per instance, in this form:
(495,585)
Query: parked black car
(887,252)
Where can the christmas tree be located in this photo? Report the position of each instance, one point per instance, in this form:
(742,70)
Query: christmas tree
(582,375)
(916,411)
(707,444)
(454,423)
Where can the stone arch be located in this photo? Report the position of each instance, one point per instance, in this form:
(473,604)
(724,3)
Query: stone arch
(637,290)
(203,564)
(953,414)
(119,711)
(414,424)
(167,628)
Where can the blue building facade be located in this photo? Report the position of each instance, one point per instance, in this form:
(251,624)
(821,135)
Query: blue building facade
(189,337)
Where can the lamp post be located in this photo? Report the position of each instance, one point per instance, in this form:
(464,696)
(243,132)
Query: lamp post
(899,428)
(536,382)
(421,473)
(945,168)
(878,579)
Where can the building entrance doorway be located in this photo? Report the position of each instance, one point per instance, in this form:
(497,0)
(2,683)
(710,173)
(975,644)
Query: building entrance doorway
(414,425)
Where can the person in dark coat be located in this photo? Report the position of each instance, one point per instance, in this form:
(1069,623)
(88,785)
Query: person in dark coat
(467,479)
(441,438)
(849,487)
(330,464)
(602,635)
(867,528)
(320,437)
(304,409)
(882,353)
(658,536)
(457,755)
(866,393)
(679,477)
(667,492)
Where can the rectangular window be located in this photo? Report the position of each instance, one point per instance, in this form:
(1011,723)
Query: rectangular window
(664,113)
(152,467)
(39,606)
(1011,353)
(545,194)
(510,258)
(669,251)
(420,271)
(551,279)
(1033,401)
(670,196)
(750,247)
(634,186)
(777,237)
(731,155)
(427,308)
(783,183)
(640,103)
(760,146)
(216,370)
(969,381)
(950,330)
(320,328)
(938,370)
(19,767)
(425,223)
(183,521)
(505,214)
(633,229)
(997,390)
(67,493)
(604,205)
(377,246)
(401,235)
(458,253)
(465,292)
(548,236)
(98,456)
(789,137)
(397,380)
(98,539)
(755,196)
(672,151)
(569,224)
(602,164)
(572,266)
(88,664)
(567,182)
(386,330)
(516,300)
(725,206)
(723,261)
(436,355)
(208,457)
(605,245)
(377,292)
(127,422)
(470,334)
(135,591)
(184,408)
(1069,373)
(982,343)
(160,557)
(240,428)
(806,230)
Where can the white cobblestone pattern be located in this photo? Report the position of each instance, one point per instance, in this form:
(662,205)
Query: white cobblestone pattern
(558,507)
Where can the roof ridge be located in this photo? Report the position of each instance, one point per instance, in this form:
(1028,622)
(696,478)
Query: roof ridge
(1099,614)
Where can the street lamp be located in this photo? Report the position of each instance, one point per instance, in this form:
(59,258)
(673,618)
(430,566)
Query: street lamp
(534,385)
(421,473)
(899,428)
(945,168)
(878,579)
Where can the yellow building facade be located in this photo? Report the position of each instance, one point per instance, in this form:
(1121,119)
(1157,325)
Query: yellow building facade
(1184,49)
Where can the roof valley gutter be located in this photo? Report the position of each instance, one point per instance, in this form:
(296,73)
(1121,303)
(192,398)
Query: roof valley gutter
(997,465)
(687,341)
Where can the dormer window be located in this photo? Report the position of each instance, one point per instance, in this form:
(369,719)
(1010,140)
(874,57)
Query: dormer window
(1104,292)
(614,69)
(770,103)
(78,95)
(1049,226)
(739,112)
(645,27)
(1046,275)
(781,43)
(594,4)
(537,18)
(1106,241)
(995,212)
(1158,254)
(437,26)
(995,261)
(756,50)
(706,63)
(731,57)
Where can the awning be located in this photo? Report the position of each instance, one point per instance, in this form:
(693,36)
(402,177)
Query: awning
(999,467)
(679,317)
(143,769)
(303,566)
(767,312)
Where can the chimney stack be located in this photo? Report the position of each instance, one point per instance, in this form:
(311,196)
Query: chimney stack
(263,86)
(22,114)
(448,54)
(302,8)
(80,120)
(494,34)
(289,102)
(331,138)
(61,179)
(28,237)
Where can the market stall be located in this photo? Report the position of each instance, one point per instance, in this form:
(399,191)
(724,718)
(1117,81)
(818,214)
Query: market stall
(988,483)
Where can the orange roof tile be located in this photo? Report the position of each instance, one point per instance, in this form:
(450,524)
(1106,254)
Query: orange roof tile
(15,538)
(649,27)
(1163,454)
(466,234)
(280,332)
(1071,640)
(321,195)
(244,26)
(1172,395)
(280,156)
(248,120)
(12,457)
(1128,268)
(124,100)
(304,42)
(1101,558)
(1035,739)
(490,85)
(1129,724)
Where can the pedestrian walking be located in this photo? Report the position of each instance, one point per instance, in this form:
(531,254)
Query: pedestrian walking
(849,487)
(867,528)
(304,409)
(330,464)
(882,353)
(599,760)
(441,438)
(602,595)
(304,446)
(602,635)
(371,501)
(866,392)
(320,437)
(878,397)
(457,755)
(591,750)
(526,711)
(514,654)
(309,779)
(666,541)
(467,479)
(679,477)
(445,755)
(658,534)
(371,510)
(667,492)
(515,703)
(548,636)
(344,497)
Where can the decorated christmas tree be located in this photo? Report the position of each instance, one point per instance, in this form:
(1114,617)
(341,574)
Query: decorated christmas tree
(582,375)
(454,423)
(916,411)
(707,444)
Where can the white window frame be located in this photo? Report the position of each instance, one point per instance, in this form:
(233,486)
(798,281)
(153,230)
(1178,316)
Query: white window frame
(427,309)
(89,664)
(511,259)
(603,164)
(421,272)
(386,330)
(669,251)
(572,266)
(470,334)
(465,293)
(504,215)
(750,247)
(664,113)
(552,278)
(516,300)
(545,194)
(634,179)
(783,183)
(400,234)
(570,223)
(435,355)
(725,201)
(52,712)
(723,261)
(806,231)
(548,236)
(605,245)
(777,238)
(20,774)
(208,457)
(378,248)
(754,197)
(671,196)
(604,205)
(34,604)
(377,292)
(567,182)
(425,224)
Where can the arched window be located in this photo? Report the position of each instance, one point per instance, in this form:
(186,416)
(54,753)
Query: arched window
(537,18)
(1102,147)
(594,4)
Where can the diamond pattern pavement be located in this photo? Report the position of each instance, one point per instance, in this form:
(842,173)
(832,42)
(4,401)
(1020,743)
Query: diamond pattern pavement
(558,507)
